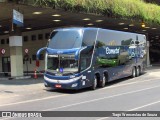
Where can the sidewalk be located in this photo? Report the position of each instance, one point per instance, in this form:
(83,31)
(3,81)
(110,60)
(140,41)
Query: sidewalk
(23,82)
(153,67)
(29,76)
(22,89)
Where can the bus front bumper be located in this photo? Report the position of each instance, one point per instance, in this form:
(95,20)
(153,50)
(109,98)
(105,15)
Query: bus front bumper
(62,84)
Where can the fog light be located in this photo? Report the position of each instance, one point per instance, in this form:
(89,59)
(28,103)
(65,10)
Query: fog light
(74,85)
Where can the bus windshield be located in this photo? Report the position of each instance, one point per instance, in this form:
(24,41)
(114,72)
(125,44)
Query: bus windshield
(66,39)
(62,63)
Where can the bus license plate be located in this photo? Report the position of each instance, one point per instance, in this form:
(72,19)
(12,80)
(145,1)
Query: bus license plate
(58,86)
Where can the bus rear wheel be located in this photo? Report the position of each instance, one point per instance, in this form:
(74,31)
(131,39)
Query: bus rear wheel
(94,84)
(140,71)
(103,81)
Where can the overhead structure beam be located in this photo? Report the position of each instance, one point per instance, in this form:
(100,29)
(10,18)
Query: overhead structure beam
(126,9)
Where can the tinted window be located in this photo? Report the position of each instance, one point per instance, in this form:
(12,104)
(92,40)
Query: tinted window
(85,58)
(7,40)
(112,38)
(89,37)
(47,35)
(25,38)
(66,39)
(40,36)
(33,37)
(2,41)
(113,47)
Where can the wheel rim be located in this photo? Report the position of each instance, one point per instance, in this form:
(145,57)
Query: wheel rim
(138,71)
(134,72)
(104,80)
(95,82)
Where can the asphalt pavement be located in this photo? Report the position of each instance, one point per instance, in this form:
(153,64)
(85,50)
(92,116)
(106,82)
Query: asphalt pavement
(129,94)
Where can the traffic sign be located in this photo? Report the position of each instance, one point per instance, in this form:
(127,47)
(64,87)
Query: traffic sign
(3,51)
(17,18)
(26,51)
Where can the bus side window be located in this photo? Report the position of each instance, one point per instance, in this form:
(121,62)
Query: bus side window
(83,64)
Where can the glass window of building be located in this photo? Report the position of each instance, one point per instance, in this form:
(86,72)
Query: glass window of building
(25,38)
(7,40)
(40,36)
(33,37)
(47,36)
(2,41)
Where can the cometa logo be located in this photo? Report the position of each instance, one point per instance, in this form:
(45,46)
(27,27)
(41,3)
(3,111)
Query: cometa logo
(112,51)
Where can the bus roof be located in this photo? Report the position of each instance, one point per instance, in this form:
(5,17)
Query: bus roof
(91,28)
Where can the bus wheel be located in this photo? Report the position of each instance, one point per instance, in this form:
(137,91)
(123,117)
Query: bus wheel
(94,85)
(133,72)
(138,71)
(103,82)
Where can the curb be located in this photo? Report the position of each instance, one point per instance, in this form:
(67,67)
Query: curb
(4,78)
(22,77)
(16,78)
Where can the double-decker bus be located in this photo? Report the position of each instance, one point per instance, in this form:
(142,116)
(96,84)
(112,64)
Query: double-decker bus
(77,58)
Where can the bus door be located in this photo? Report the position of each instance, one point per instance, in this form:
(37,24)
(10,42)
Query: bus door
(6,65)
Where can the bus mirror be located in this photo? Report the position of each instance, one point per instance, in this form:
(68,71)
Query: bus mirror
(37,63)
(76,57)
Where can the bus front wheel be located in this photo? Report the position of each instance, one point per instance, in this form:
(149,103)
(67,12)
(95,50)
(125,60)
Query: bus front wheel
(133,72)
(138,71)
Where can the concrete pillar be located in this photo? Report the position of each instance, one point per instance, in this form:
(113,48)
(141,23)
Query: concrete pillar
(15,43)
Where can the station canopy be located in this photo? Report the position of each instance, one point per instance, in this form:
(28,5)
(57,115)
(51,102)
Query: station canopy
(127,15)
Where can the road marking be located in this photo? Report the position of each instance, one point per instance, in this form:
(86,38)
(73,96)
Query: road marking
(103,118)
(144,106)
(93,100)
(134,109)
(114,86)
(28,101)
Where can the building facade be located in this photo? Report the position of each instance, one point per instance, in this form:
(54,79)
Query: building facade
(32,41)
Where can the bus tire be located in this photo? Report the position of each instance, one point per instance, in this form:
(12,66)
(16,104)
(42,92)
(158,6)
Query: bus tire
(137,71)
(103,81)
(94,84)
(133,72)
(140,70)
